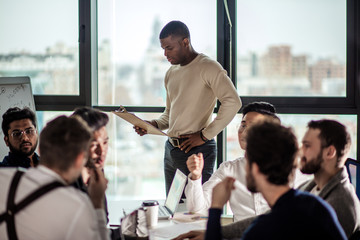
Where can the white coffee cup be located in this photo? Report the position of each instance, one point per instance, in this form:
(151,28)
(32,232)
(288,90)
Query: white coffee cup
(152,210)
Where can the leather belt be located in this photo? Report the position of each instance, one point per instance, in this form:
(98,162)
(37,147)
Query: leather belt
(176,142)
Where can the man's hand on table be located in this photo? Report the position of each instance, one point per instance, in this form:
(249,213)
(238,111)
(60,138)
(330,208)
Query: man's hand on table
(192,235)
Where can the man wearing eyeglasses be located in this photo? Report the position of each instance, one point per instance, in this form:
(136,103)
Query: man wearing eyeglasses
(21,136)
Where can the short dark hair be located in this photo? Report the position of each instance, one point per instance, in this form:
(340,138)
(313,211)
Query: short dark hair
(175,28)
(333,133)
(14,114)
(93,117)
(264,108)
(259,107)
(273,148)
(62,140)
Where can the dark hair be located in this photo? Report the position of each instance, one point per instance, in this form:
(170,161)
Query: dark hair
(175,28)
(259,107)
(62,140)
(93,117)
(14,114)
(264,108)
(333,133)
(273,148)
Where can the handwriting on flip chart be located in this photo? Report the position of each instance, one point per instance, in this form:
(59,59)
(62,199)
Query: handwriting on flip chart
(18,95)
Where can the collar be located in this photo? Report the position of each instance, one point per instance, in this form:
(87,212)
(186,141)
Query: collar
(284,198)
(51,173)
(16,160)
(338,178)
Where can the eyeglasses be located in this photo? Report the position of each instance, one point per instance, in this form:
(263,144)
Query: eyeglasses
(17,134)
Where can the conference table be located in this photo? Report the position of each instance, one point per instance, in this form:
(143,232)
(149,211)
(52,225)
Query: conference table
(182,221)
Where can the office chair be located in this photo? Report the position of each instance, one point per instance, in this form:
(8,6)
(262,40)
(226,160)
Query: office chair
(353,169)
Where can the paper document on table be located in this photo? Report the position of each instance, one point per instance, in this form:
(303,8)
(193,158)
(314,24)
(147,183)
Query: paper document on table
(186,217)
(138,122)
(175,230)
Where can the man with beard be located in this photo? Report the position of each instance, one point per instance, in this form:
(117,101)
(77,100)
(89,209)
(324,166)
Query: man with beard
(331,181)
(270,153)
(20,135)
(38,204)
(324,150)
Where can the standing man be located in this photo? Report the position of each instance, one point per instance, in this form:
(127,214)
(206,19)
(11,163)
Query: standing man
(271,154)
(20,135)
(193,84)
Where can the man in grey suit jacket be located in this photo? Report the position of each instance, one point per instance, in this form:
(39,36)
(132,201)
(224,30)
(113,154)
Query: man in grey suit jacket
(323,153)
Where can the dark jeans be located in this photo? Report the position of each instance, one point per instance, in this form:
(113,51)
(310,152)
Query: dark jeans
(176,159)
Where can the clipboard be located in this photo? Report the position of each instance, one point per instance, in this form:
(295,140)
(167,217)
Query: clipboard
(136,121)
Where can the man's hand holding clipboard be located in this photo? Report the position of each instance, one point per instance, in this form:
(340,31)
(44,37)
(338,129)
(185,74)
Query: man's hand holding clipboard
(141,127)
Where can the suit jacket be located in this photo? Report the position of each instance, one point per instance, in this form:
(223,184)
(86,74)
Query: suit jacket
(338,192)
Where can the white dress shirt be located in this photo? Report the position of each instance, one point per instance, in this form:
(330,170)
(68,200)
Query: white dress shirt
(63,213)
(243,203)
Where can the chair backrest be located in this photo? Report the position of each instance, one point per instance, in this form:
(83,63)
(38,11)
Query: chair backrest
(353,169)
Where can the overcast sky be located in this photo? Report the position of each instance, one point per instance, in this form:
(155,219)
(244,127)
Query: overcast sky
(316,28)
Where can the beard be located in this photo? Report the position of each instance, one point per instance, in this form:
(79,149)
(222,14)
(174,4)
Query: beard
(250,182)
(20,152)
(311,166)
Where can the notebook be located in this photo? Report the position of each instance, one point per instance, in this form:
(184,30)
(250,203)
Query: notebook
(167,210)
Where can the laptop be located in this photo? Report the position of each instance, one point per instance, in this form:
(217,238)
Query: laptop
(167,210)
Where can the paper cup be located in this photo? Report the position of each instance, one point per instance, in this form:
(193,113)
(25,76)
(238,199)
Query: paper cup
(152,210)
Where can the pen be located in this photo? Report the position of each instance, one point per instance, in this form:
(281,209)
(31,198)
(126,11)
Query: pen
(199,217)
(124,212)
(188,213)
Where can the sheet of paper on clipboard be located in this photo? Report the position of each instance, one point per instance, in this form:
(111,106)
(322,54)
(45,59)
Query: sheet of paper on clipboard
(136,121)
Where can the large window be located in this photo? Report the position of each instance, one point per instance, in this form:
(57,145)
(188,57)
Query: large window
(131,63)
(291,48)
(298,122)
(300,55)
(39,39)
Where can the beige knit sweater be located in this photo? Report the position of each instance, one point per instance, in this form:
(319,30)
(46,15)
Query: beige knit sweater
(192,91)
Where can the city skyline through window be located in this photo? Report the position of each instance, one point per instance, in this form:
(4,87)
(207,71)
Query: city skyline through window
(41,44)
(291,48)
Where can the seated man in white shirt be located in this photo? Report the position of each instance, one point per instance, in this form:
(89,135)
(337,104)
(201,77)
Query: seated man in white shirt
(243,203)
(63,212)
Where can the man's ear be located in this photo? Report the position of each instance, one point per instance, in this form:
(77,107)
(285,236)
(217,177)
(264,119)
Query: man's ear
(186,42)
(254,168)
(80,161)
(6,139)
(330,152)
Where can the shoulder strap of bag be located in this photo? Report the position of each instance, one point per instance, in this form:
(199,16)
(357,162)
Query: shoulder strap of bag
(12,208)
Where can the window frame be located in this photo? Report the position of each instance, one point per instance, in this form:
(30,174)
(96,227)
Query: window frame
(306,105)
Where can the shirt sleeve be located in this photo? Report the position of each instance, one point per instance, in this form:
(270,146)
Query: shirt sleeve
(237,229)
(198,197)
(230,101)
(213,229)
(89,223)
